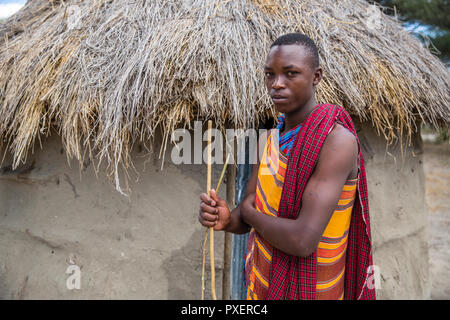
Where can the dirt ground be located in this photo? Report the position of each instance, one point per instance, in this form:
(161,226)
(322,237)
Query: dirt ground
(437,173)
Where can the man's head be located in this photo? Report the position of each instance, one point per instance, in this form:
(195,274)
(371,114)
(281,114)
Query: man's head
(292,72)
(301,40)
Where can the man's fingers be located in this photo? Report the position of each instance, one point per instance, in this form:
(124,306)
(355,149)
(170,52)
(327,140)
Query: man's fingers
(214,196)
(207,199)
(208,216)
(208,209)
(205,222)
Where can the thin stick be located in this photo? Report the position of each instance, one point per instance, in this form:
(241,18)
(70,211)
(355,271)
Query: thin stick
(203,263)
(211,229)
(228,240)
(206,231)
(208,190)
(222,174)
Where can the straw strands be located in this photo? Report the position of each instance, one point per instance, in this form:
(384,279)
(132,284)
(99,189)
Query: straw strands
(106,74)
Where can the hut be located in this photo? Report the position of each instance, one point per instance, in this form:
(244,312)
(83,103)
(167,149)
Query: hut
(91,91)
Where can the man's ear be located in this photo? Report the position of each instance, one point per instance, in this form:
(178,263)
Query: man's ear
(317,76)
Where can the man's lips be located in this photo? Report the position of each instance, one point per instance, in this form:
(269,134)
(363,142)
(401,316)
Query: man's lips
(278,98)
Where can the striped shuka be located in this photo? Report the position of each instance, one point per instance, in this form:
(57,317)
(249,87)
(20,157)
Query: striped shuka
(295,278)
(332,247)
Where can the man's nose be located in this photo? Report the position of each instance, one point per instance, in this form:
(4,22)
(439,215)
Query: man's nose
(278,83)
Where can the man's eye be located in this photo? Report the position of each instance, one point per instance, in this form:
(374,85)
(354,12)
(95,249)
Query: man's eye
(268,74)
(292,73)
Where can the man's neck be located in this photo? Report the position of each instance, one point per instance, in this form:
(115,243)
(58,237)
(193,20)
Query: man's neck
(297,117)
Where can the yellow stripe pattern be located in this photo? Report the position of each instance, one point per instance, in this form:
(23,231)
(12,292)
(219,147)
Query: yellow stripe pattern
(331,249)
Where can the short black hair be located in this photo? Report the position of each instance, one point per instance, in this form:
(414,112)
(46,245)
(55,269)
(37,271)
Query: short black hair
(300,39)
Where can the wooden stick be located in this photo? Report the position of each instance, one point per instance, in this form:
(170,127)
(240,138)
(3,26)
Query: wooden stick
(208,229)
(211,229)
(228,239)
(203,263)
(208,190)
(206,233)
(222,174)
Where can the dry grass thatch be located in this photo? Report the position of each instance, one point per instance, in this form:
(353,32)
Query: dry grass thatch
(108,73)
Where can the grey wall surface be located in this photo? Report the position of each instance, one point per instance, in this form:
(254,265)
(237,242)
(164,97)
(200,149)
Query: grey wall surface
(51,216)
(398,215)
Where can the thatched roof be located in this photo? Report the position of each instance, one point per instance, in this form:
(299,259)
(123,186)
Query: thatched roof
(108,73)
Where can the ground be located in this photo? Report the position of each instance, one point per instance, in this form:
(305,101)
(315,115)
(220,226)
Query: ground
(437,173)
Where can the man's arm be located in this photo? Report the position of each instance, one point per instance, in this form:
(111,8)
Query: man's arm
(237,225)
(214,211)
(300,237)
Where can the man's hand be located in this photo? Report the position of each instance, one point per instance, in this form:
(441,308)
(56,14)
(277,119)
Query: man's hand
(214,211)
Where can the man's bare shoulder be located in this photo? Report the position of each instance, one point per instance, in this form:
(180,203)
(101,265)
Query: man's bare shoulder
(341,139)
(339,151)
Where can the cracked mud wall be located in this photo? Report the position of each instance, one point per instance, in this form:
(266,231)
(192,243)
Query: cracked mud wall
(398,215)
(52,216)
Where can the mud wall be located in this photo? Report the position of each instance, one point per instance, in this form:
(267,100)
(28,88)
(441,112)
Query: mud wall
(147,247)
(398,214)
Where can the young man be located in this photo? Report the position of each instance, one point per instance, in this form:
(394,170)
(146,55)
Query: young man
(308,218)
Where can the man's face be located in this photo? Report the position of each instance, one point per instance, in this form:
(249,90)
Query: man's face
(290,77)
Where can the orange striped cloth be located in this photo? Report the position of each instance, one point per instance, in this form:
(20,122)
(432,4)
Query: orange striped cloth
(331,249)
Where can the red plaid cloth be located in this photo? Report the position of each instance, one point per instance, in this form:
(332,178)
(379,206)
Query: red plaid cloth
(292,277)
